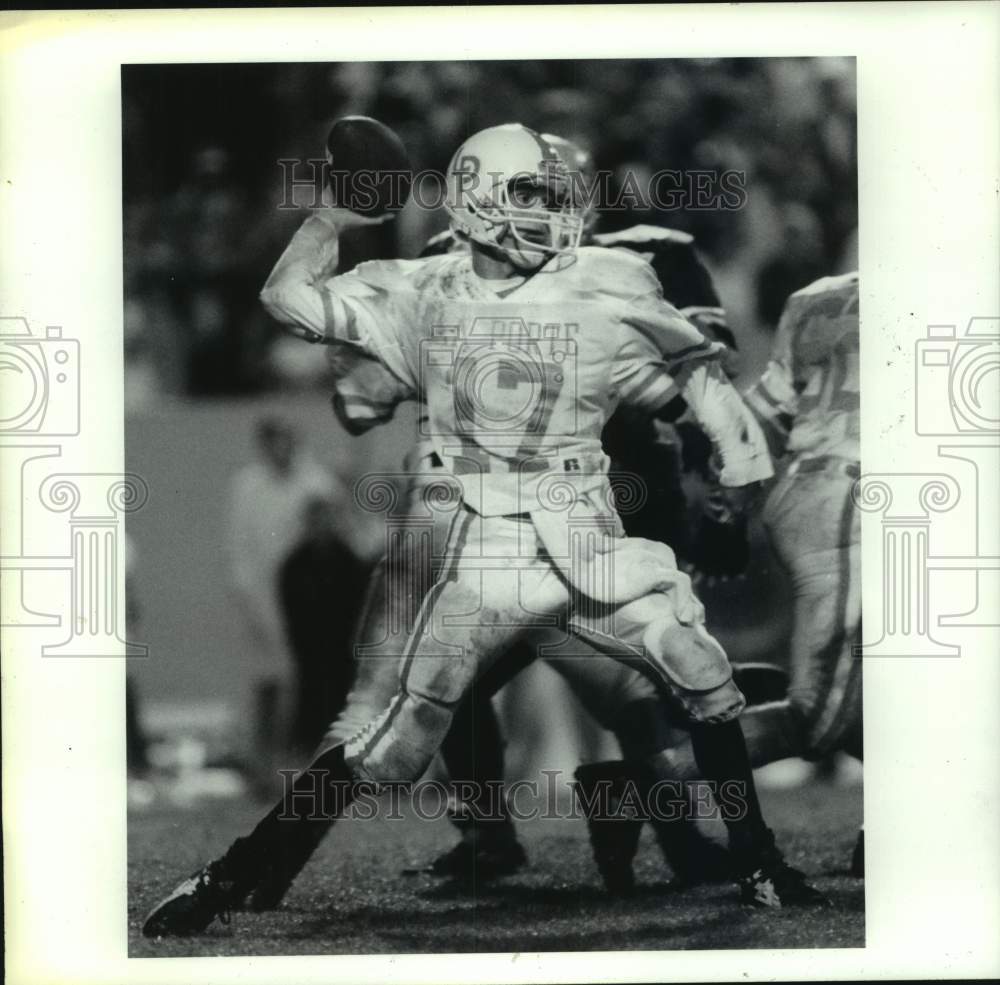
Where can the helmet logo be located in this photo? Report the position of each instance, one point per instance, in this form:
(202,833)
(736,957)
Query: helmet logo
(468,164)
(508,188)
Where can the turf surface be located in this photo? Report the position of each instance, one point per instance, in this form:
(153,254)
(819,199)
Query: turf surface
(352,899)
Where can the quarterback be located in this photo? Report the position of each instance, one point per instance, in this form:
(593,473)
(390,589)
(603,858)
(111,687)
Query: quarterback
(645,470)
(522,349)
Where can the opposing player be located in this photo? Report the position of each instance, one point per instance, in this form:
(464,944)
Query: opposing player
(808,401)
(522,350)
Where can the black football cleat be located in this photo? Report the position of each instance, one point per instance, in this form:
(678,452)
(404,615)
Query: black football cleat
(479,859)
(194,904)
(774,884)
(614,833)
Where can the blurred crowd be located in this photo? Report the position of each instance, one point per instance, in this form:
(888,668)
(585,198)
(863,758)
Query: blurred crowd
(296,584)
(202,183)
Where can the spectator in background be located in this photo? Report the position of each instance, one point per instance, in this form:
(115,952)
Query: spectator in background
(140,792)
(136,742)
(266,504)
(321,587)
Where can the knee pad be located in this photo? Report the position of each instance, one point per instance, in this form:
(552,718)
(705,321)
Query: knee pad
(687,656)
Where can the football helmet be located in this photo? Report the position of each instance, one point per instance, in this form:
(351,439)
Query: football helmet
(507,189)
(582,176)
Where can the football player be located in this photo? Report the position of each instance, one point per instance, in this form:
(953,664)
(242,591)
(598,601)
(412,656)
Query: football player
(522,349)
(808,402)
(615,695)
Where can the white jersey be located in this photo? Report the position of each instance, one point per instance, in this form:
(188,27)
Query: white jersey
(809,396)
(520,376)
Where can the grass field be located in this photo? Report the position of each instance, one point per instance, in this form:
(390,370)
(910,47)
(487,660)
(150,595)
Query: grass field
(352,899)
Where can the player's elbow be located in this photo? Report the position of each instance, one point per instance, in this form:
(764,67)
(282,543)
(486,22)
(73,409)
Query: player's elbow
(275,299)
(281,302)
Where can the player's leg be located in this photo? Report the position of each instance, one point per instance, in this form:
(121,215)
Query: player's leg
(825,695)
(450,643)
(472,615)
(393,601)
(268,859)
(473,753)
(662,631)
(815,530)
(376,653)
(825,687)
(627,703)
(691,664)
(385,625)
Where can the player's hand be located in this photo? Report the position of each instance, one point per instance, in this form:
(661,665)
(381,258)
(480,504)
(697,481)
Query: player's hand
(341,218)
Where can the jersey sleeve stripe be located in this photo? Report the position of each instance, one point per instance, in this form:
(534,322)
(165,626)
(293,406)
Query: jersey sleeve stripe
(690,351)
(704,311)
(650,390)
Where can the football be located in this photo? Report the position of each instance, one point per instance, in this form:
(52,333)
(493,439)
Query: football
(368,170)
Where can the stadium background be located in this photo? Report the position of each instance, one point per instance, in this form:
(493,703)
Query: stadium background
(202,227)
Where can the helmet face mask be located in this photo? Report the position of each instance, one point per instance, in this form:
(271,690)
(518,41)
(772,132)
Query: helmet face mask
(507,190)
(582,176)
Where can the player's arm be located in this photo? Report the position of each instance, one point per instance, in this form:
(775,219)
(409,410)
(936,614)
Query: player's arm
(774,398)
(718,409)
(713,403)
(665,355)
(296,294)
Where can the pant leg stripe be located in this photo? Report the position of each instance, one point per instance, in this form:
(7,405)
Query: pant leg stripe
(412,644)
(449,574)
(836,694)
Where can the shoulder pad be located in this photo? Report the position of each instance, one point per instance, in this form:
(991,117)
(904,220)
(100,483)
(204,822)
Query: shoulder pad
(829,298)
(644,234)
(829,285)
(619,272)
